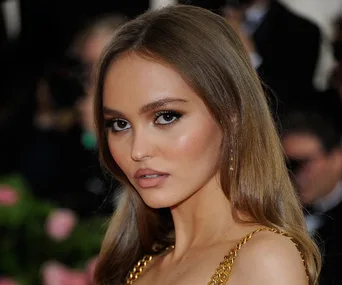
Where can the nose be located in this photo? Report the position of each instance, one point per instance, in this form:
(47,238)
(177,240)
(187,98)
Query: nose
(142,146)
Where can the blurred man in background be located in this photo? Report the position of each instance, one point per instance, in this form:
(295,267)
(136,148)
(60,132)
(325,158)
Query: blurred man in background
(313,149)
(284,48)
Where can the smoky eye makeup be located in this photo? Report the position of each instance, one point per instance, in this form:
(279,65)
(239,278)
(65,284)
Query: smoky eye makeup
(117,125)
(161,118)
(166,117)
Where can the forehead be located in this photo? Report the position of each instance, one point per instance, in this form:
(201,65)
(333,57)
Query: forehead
(94,45)
(301,144)
(133,79)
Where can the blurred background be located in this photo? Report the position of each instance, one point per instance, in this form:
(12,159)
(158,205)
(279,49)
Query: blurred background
(55,199)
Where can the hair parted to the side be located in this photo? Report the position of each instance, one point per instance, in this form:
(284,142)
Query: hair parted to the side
(205,50)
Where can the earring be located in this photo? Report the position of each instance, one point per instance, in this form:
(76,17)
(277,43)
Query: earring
(231,158)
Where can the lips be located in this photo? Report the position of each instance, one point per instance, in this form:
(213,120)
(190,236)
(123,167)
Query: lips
(149,178)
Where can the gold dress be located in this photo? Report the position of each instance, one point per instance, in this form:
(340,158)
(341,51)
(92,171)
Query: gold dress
(222,272)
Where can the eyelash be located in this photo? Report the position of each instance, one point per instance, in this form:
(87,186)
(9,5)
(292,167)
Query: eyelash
(174,114)
(109,124)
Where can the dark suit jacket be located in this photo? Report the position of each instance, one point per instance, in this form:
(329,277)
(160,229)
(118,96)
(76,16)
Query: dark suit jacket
(329,240)
(289,46)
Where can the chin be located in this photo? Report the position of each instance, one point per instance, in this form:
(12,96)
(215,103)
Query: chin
(158,204)
(159,201)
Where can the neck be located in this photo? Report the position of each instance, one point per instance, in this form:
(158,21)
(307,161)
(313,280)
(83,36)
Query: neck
(203,219)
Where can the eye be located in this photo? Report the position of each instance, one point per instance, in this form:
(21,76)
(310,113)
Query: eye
(118,125)
(166,117)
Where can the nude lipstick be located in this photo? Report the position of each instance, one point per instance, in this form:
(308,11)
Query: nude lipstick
(149,178)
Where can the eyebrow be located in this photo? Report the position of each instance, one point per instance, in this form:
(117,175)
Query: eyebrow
(148,107)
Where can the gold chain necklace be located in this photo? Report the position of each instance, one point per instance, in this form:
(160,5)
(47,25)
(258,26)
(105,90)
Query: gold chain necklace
(138,269)
(140,266)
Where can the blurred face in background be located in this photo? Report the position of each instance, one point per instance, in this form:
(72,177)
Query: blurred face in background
(90,55)
(94,46)
(315,172)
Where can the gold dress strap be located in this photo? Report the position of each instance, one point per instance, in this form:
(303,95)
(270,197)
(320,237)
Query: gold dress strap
(222,272)
(140,266)
(138,269)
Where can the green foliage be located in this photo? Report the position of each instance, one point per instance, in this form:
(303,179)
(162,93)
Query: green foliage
(25,245)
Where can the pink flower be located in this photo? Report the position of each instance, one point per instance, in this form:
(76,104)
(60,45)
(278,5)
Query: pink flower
(7,281)
(77,278)
(55,273)
(60,224)
(91,269)
(8,196)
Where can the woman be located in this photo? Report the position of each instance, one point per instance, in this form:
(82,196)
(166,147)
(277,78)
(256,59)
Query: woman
(183,123)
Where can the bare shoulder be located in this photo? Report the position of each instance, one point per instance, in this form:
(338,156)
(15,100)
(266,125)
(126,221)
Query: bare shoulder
(269,258)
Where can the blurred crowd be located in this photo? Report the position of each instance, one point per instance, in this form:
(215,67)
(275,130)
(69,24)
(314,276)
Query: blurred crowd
(48,140)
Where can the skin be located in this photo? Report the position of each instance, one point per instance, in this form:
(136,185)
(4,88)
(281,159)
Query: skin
(187,148)
(94,46)
(320,174)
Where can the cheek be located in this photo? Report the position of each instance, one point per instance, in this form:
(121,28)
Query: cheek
(311,174)
(196,144)
(185,143)
(316,169)
(120,155)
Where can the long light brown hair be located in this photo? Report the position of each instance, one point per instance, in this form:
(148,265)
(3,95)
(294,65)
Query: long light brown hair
(205,50)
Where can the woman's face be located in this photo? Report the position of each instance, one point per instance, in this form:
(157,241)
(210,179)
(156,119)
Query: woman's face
(160,132)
